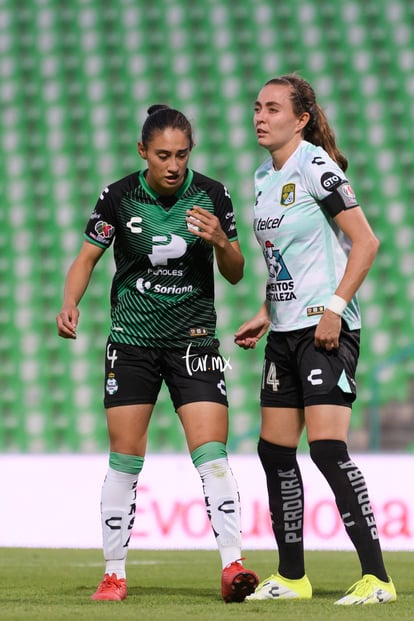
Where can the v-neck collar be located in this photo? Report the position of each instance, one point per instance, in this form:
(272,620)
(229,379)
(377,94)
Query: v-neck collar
(183,188)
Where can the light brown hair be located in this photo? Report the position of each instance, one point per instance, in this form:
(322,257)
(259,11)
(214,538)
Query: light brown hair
(317,130)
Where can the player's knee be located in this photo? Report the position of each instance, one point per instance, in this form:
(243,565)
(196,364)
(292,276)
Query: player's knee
(210,451)
(327,453)
(273,456)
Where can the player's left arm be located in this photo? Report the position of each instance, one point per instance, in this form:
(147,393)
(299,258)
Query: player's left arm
(219,230)
(330,188)
(230,261)
(364,247)
(333,192)
(206,225)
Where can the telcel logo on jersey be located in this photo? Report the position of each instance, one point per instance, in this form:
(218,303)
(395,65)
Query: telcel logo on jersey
(266,224)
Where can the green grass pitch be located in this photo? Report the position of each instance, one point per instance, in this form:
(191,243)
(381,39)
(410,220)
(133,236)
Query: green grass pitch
(55,585)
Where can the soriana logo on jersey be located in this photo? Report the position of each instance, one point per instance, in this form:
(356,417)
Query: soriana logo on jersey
(288,196)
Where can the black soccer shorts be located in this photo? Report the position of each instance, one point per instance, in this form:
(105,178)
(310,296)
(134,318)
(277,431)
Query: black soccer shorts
(135,374)
(297,374)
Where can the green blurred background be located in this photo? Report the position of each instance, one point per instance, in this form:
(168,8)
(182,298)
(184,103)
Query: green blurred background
(76,79)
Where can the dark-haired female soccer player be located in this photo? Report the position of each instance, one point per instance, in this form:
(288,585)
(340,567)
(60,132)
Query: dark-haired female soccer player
(167,223)
(318,247)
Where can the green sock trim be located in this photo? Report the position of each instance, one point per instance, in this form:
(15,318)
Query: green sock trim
(208,452)
(132,464)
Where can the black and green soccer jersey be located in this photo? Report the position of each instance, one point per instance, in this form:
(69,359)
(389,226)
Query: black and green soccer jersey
(163,289)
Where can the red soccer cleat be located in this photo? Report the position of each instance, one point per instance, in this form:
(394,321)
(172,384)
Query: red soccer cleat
(111,589)
(237,582)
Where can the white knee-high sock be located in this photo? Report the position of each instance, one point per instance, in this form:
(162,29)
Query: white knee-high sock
(119,492)
(222,500)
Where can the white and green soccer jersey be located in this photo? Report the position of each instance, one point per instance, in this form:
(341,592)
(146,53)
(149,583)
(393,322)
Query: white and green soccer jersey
(305,251)
(163,288)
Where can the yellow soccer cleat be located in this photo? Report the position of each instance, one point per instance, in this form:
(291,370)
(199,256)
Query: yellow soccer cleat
(369,590)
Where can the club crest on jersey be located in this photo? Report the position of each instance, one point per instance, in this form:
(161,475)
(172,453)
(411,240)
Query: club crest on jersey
(111,384)
(288,196)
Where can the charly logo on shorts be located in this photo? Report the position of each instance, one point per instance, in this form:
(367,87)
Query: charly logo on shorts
(288,196)
(111,384)
(315,377)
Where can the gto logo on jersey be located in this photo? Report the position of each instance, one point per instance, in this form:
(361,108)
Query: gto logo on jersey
(330,180)
(288,197)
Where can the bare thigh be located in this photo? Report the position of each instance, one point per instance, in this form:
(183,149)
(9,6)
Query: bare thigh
(282,426)
(128,428)
(204,421)
(327,422)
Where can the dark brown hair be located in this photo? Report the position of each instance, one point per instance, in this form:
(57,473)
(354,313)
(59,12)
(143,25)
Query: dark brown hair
(160,117)
(317,130)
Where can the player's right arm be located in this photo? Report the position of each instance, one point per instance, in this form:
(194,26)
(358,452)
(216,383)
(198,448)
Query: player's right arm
(248,335)
(76,283)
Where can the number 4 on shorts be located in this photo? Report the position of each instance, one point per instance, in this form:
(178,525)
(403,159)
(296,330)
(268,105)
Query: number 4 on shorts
(271,378)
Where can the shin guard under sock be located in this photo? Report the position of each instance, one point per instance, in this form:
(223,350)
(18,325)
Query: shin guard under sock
(286,504)
(118,514)
(221,497)
(352,500)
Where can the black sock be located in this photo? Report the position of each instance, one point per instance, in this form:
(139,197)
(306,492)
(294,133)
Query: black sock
(351,496)
(286,504)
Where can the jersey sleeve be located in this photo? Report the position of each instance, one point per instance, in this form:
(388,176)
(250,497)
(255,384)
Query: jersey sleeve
(223,209)
(328,184)
(101,227)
